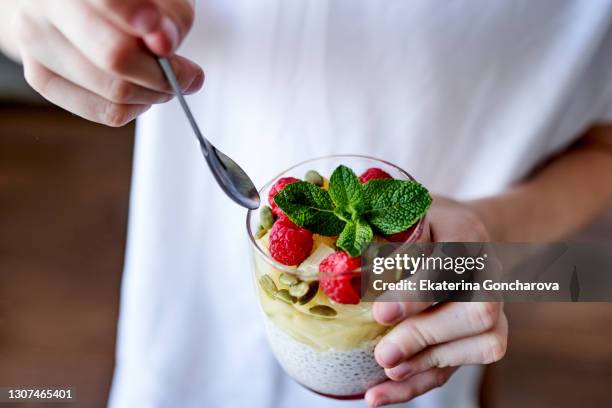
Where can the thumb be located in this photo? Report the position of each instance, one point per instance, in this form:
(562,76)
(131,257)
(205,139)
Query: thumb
(176,21)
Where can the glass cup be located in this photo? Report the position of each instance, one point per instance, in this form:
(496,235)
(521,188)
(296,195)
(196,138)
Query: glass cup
(325,346)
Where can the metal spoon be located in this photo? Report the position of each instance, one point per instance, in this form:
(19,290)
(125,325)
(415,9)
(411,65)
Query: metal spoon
(230,177)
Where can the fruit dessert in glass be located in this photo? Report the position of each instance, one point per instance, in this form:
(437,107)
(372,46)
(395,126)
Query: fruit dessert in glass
(306,246)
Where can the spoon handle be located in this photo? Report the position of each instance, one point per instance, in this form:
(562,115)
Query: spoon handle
(169,73)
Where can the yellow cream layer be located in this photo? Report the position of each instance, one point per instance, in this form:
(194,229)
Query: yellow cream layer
(352,327)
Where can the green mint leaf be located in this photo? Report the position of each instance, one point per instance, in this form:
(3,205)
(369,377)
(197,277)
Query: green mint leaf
(346,191)
(309,207)
(354,237)
(394,205)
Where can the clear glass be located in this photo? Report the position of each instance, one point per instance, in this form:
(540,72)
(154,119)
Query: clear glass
(333,356)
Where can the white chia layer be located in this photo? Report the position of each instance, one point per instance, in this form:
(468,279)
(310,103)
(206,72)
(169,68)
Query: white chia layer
(339,373)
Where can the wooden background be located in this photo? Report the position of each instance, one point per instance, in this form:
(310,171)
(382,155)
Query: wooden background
(64,187)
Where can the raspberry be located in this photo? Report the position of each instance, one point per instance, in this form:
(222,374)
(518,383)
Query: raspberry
(289,244)
(278,186)
(282,217)
(373,173)
(403,235)
(337,280)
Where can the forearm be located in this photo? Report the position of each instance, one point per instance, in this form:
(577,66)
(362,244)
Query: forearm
(565,194)
(8,13)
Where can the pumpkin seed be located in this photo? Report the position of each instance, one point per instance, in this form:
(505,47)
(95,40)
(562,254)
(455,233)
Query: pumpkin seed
(261,231)
(313,288)
(314,178)
(288,279)
(268,285)
(266,218)
(299,289)
(284,295)
(322,310)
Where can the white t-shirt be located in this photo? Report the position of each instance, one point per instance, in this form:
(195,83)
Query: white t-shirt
(466,95)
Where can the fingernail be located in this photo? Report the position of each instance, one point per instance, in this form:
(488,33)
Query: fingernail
(399,372)
(387,312)
(375,401)
(146,19)
(380,401)
(388,354)
(196,84)
(170,31)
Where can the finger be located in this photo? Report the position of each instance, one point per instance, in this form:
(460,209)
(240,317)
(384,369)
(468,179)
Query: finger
(442,323)
(138,17)
(485,348)
(387,312)
(391,392)
(175,24)
(115,51)
(77,69)
(75,99)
